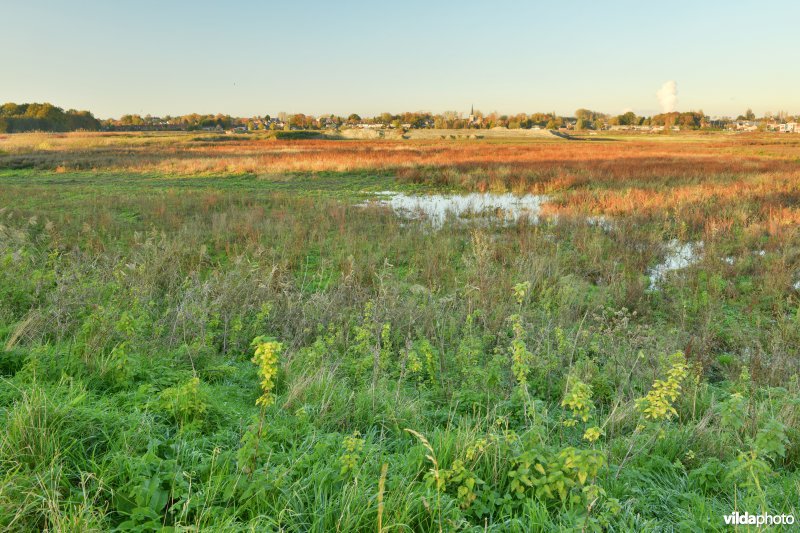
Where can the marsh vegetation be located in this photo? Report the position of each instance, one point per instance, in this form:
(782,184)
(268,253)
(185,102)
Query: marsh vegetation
(198,334)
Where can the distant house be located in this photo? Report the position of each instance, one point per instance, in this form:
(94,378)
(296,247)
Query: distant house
(274,124)
(329,123)
(789,127)
(744,125)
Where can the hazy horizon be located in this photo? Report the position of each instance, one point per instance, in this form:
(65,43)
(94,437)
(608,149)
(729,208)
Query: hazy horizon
(320,58)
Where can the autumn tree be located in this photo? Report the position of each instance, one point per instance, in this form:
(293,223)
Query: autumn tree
(44,117)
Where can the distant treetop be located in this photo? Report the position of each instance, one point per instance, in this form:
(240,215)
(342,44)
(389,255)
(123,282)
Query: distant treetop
(16,118)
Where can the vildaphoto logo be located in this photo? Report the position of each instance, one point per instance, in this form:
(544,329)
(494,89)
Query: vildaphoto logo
(747,519)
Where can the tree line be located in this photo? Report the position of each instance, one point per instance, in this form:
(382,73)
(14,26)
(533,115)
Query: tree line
(15,118)
(47,117)
(582,119)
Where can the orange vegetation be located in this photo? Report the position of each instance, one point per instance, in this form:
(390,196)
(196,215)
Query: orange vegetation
(711,180)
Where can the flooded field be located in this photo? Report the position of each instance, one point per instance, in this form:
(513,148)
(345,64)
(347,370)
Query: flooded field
(487,207)
(679,256)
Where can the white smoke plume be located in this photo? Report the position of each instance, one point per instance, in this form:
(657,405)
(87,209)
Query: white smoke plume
(668,96)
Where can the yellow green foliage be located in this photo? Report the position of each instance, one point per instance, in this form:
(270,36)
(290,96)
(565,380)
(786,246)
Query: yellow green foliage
(352,446)
(184,402)
(579,401)
(459,477)
(520,356)
(520,290)
(558,476)
(266,358)
(659,402)
(592,434)
(423,361)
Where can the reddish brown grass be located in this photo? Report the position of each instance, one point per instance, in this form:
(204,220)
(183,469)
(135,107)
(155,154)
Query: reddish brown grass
(713,181)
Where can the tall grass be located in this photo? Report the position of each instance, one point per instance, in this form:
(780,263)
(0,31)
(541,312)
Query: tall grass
(129,300)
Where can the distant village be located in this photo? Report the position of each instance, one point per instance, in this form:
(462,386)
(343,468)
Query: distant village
(47,117)
(582,120)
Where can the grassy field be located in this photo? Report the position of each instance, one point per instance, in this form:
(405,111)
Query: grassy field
(204,332)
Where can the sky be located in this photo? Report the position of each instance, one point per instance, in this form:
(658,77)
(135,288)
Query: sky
(249,58)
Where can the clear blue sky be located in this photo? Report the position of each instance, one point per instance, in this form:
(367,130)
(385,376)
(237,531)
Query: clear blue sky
(247,58)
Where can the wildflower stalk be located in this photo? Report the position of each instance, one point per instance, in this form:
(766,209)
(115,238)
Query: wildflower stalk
(438,482)
(266,358)
(381,490)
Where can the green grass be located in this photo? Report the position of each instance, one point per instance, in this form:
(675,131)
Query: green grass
(330,184)
(118,290)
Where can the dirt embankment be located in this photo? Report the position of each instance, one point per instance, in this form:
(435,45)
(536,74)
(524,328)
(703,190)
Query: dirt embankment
(366,134)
